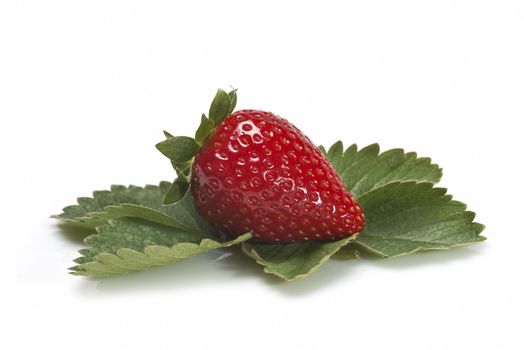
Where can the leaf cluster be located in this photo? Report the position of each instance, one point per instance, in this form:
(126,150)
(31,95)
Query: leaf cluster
(138,228)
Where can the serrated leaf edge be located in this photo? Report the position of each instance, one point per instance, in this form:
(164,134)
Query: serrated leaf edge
(338,146)
(480,227)
(102,258)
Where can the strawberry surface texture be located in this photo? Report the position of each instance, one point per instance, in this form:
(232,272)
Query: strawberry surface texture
(258,173)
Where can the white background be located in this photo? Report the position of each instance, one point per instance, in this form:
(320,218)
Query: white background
(86,87)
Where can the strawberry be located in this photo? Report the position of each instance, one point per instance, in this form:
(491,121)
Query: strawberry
(256,172)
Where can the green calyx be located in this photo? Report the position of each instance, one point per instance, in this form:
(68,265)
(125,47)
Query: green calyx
(181,150)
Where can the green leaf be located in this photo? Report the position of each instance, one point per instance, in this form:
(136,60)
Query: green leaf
(133,201)
(168,135)
(220,107)
(335,153)
(180,186)
(184,167)
(233,96)
(176,192)
(179,149)
(130,245)
(367,169)
(204,130)
(178,189)
(292,261)
(405,217)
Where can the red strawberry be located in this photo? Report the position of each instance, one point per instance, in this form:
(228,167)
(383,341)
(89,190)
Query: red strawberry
(256,172)
(259,173)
